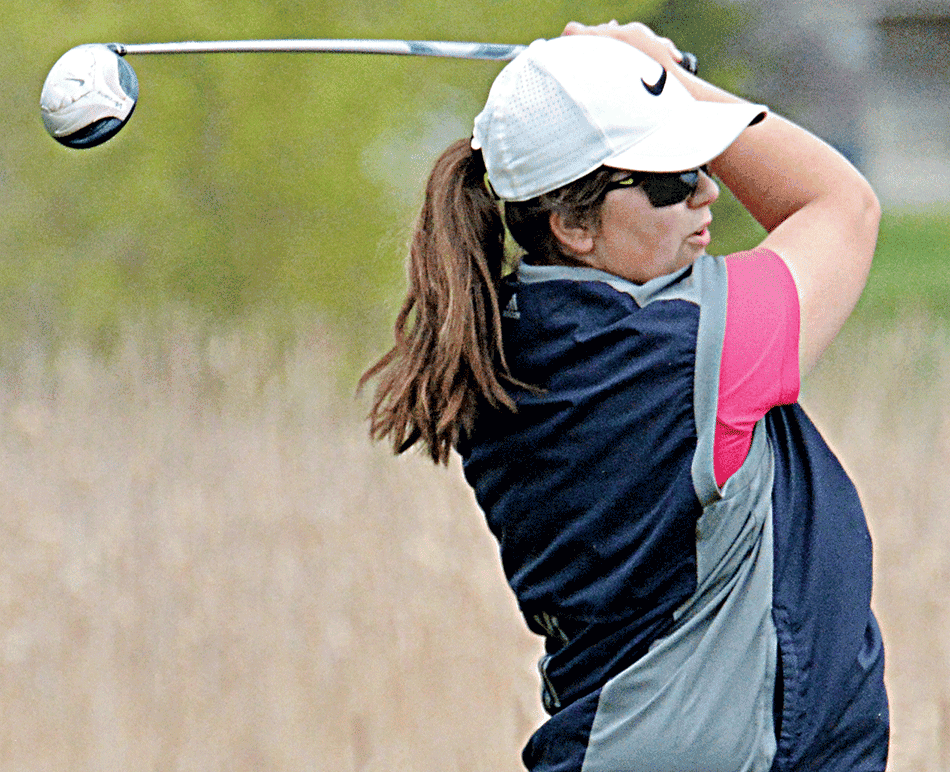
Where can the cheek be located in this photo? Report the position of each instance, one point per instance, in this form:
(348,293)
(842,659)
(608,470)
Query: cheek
(630,222)
(668,229)
(652,234)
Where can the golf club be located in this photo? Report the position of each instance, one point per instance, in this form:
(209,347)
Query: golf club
(446,49)
(91,91)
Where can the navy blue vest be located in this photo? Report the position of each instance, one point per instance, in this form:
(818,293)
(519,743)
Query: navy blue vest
(663,599)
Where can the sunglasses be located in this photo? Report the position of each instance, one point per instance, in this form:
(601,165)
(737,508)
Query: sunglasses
(662,188)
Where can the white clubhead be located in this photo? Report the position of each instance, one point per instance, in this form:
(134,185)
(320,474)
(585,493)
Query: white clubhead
(88,96)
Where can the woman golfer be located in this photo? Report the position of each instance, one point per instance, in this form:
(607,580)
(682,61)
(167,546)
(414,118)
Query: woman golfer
(625,407)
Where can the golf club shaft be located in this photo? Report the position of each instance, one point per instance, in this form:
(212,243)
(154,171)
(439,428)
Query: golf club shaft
(447,49)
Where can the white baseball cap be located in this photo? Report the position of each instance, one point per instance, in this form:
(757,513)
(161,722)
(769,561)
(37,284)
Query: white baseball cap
(569,105)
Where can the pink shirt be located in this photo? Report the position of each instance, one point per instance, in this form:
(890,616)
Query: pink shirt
(759,367)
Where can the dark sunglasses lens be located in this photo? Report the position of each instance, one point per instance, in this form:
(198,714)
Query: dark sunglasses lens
(668,189)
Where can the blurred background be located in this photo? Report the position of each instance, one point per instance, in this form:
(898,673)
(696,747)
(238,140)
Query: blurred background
(204,563)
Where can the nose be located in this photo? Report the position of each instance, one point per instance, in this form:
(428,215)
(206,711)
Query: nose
(707,191)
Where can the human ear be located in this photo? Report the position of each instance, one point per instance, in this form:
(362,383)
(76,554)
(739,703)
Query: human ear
(574,238)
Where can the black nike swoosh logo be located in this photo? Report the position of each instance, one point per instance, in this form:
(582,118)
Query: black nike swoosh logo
(657,88)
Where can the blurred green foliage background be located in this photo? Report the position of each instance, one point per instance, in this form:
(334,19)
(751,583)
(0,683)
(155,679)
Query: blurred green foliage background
(283,183)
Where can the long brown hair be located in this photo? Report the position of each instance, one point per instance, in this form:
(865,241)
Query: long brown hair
(448,353)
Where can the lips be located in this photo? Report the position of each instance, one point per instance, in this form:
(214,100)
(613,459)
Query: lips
(702,236)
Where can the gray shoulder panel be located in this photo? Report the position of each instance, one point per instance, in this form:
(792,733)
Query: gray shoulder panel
(678,285)
(712,287)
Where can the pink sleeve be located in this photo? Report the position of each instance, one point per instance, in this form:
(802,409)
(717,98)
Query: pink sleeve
(759,368)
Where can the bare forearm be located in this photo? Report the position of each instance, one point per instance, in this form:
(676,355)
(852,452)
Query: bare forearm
(775,168)
(820,213)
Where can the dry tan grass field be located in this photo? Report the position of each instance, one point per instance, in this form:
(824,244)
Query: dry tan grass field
(205,565)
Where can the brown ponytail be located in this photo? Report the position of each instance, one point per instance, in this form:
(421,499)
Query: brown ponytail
(448,351)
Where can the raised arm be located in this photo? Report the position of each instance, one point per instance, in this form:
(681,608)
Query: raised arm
(820,213)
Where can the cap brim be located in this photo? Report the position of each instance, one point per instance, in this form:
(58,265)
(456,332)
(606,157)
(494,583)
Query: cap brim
(684,142)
